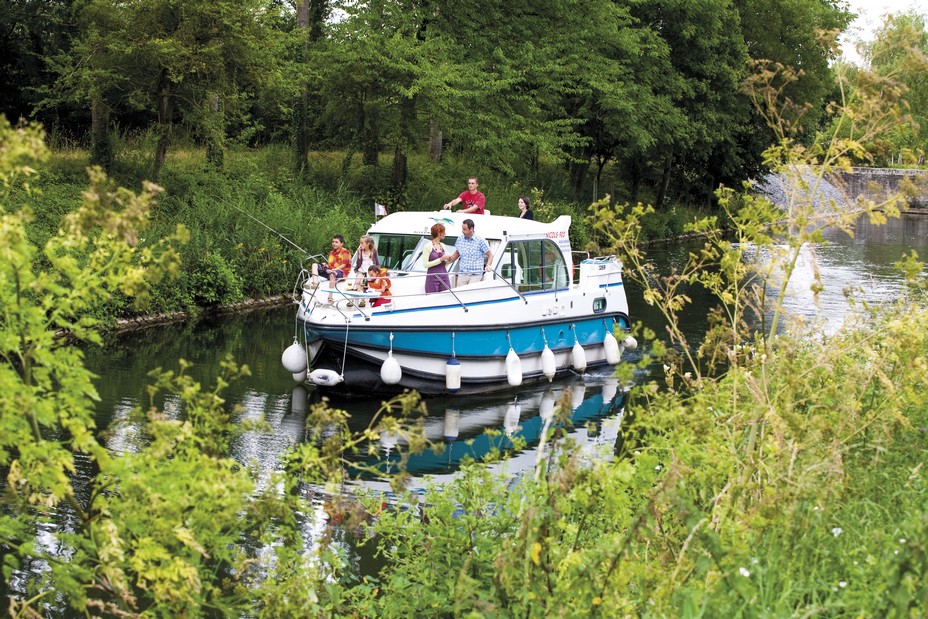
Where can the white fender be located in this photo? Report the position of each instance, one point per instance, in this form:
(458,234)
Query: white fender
(610,388)
(630,343)
(325,378)
(548,363)
(546,406)
(611,348)
(452,424)
(388,441)
(511,418)
(513,368)
(578,356)
(294,358)
(390,372)
(577,395)
(299,400)
(453,374)
(299,376)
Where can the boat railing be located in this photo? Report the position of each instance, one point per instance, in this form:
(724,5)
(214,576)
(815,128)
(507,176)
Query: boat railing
(347,298)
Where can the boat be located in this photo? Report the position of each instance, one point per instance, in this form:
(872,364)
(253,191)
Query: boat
(536,314)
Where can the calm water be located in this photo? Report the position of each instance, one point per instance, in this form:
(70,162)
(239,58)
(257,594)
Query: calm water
(861,265)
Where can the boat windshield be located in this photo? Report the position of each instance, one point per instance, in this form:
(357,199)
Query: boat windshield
(402,252)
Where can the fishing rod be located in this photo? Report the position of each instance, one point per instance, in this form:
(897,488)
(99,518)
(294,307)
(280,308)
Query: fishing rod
(266,226)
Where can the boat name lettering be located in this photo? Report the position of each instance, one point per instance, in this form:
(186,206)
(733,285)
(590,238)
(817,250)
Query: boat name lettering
(559,234)
(553,310)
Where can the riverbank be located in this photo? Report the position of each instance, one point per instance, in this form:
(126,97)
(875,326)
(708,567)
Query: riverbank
(241,307)
(252,226)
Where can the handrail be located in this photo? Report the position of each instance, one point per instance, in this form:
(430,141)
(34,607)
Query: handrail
(508,283)
(396,272)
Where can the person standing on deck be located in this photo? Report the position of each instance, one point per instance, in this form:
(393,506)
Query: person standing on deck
(474,252)
(435,262)
(473,200)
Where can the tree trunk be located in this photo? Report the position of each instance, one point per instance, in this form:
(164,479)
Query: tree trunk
(400,168)
(400,158)
(301,109)
(370,136)
(601,165)
(578,171)
(435,141)
(215,151)
(665,183)
(101,147)
(165,122)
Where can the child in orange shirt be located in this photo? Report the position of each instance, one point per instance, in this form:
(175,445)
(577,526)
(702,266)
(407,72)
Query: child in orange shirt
(377,280)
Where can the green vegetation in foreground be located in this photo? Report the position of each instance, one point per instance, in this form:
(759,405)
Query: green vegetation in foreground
(774,473)
(234,251)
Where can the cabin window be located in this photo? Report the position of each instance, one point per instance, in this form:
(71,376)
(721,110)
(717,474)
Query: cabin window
(533,265)
(398,251)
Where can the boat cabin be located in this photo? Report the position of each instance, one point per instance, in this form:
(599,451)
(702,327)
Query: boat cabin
(531,256)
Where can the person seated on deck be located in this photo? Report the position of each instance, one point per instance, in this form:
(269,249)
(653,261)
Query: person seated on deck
(364,257)
(377,281)
(337,267)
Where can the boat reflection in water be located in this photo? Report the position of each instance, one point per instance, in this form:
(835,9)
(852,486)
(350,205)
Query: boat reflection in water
(475,427)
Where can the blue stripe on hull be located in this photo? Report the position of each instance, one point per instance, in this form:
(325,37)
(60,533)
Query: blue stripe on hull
(490,342)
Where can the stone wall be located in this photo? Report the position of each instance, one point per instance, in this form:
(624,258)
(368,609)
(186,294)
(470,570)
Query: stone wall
(876,183)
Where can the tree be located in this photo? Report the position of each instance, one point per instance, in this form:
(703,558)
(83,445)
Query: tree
(30,30)
(190,62)
(900,51)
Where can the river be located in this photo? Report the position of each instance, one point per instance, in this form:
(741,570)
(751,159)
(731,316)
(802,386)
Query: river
(860,267)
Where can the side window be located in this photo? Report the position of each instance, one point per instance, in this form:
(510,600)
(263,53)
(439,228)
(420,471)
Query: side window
(395,249)
(541,265)
(553,266)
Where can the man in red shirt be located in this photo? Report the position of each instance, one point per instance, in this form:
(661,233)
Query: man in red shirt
(338,265)
(473,200)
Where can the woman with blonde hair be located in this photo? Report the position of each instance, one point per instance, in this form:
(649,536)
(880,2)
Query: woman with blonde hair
(365,257)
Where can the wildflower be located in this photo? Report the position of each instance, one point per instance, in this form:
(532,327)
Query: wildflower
(837,531)
(744,572)
(901,540)
(842,584)
(657,468)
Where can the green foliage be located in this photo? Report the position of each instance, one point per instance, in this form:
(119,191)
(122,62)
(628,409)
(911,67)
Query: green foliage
(777,472)
(900,52)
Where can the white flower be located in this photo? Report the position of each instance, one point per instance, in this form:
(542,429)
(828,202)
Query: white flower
(657,468)
(837,531)
(901,540)
(842,584)
(744,572)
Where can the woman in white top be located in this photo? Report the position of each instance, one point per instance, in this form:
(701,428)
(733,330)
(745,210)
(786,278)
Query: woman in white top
(363,259)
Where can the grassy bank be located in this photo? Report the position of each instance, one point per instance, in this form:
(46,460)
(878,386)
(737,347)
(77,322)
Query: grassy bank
(237,217)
